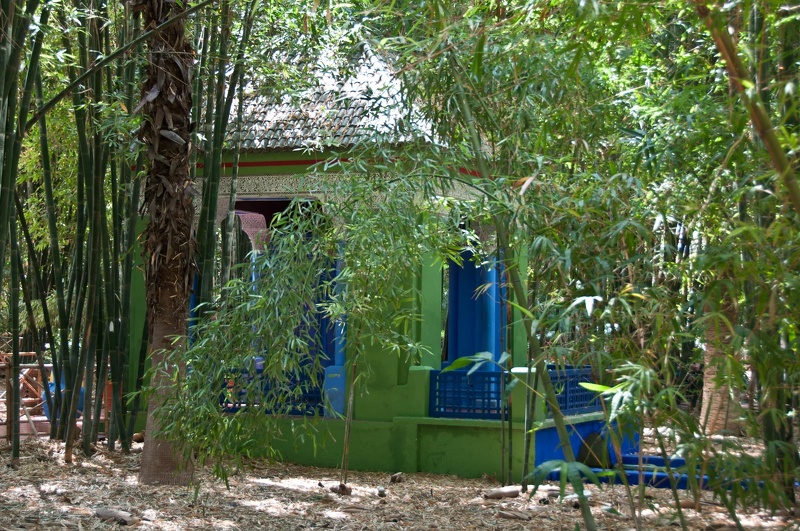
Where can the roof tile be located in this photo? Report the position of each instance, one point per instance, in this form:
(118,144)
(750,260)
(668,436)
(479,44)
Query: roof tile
(367,105)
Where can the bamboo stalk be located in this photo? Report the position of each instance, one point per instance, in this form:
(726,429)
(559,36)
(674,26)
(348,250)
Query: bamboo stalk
(11,163)
(124,337)
(89,332)
(206,234)
(112,357)
(55,255)
(212,171)
(230,220)
(130,212)
(79,277)
(96,365)
(26,295)
(72,367)
(203,34)
(500,222)
(507,380)
(13,408)
(111,313)
(108,285)
(37,276)
(347,425)
(137,400)
(32,328)
(94,251)
(12,43)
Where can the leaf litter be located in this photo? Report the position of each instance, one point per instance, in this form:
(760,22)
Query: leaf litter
(103,492)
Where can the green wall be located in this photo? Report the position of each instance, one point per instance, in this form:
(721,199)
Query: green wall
(429,306)
(467,448)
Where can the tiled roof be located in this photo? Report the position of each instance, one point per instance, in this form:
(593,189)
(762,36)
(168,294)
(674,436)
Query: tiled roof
(334,113)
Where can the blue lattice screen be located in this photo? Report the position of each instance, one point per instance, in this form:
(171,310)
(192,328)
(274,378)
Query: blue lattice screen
(300,395)
(457,394)
(572,398)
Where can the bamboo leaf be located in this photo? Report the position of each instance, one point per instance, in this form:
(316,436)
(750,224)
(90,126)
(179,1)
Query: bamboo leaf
(597,388)
(477,58)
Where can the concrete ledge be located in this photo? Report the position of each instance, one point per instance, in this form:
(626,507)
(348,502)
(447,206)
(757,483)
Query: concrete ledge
(481,423)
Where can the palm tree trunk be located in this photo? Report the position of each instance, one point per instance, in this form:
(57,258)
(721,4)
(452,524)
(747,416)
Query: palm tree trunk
(167,104)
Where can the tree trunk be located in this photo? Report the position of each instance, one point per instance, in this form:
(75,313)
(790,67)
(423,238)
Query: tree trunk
(716,405)
(166,103)
(719,412)
(160,463)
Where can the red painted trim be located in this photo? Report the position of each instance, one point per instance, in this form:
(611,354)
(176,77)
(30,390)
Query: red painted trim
(302,162)
(274,163)
(465,171)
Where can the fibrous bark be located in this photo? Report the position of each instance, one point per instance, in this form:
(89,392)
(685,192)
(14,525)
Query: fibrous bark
(166,104)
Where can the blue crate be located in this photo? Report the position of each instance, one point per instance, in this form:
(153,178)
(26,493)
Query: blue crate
(479,395)
(309,401)
(548,444)
(456,394)
(572,398)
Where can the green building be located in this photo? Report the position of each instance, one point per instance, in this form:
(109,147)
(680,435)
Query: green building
(414,417)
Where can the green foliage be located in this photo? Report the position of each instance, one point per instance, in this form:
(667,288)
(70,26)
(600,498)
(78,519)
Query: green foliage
(475,362)
(626,174)
(572,473)
(644,202)
(276,318)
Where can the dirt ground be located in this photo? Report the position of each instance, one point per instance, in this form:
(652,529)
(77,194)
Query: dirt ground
(44,493)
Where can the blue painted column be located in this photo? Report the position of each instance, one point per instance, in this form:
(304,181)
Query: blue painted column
(490,306)
(335,382)
(474,310)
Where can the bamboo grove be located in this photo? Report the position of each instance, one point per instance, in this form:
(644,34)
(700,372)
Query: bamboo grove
(72,189)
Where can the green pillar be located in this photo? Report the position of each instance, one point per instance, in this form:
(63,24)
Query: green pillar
(517,338)
(429,300)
